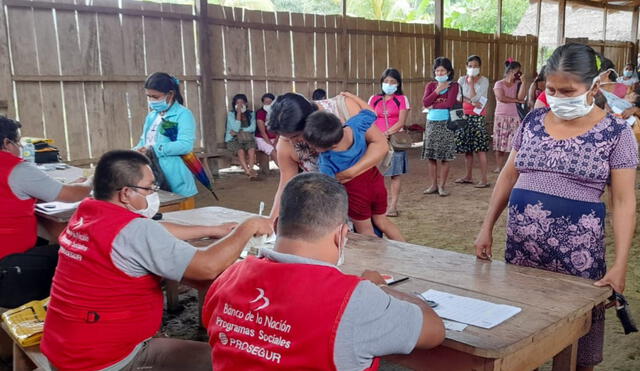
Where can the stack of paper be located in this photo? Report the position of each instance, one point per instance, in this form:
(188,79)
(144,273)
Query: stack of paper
(471,311)
(55,207)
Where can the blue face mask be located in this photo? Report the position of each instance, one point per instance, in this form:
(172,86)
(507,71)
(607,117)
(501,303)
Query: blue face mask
(442,78)
(389,88)
(158,105)
(628,73)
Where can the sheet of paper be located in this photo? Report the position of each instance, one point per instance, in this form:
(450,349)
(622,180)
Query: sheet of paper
(454,326)
(618,112)
(471,311)
(483,101)
(56,207)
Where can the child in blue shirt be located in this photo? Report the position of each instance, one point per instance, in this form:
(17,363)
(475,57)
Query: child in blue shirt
(342,146)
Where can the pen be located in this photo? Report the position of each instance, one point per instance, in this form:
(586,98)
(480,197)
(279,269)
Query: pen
(397,281)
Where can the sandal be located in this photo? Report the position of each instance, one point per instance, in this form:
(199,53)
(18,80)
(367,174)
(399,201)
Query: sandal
(430,191)
(393,213)
(482,185)
(442,192)
(463,181)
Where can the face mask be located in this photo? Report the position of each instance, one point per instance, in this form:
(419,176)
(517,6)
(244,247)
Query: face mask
(267,107)
(615,102)
(243,109)
(389,88)
(160,105)
(571,107)
(442,78)
(628,73)
(473,72)
(153,205)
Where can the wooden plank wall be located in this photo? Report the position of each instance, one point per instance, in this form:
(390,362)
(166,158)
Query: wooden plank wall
(78,70)
(78,75)
(620,52)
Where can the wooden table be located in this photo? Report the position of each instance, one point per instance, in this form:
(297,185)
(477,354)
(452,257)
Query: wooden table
(556,308)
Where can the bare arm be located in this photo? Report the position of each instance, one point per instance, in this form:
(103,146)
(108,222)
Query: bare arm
(499,199)
(522,91)
(288,169)
(377,148)
(75,192)
(531,96)
(502,98)
(196,232)
(361,104)
(262,128)
(623,200)
(209,262)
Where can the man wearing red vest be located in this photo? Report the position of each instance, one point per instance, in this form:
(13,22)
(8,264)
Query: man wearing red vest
(26,262)
(293,309)
(106,301)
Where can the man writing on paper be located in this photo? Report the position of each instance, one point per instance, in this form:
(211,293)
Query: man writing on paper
(106,300)
(293,309)
(26,262)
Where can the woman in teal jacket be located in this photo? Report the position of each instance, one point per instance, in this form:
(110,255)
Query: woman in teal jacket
(240,134)
(166,110)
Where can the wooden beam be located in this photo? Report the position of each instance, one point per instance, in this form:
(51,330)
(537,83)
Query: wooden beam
(634,35)
(499,20)
(538,19)
(439,25)
(605,16)
(6,88)
(562,10)
(206,86)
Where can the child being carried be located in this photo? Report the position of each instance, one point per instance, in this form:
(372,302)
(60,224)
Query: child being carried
(342,146)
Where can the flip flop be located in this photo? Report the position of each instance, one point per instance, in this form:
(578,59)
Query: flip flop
(463,181)
(482,185)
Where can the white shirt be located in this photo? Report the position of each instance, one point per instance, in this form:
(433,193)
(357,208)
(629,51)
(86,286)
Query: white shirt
(481,87)
(152,133)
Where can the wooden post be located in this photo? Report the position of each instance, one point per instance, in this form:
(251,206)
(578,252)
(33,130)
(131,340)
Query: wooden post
(206,88)
(634,35)
(499,20)
(439,23)
(6,92)
(538,18)
(562,9)
(344,42)
(604,29)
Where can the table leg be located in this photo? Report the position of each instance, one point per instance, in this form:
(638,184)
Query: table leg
(567,359)
(171,288)
(20,360)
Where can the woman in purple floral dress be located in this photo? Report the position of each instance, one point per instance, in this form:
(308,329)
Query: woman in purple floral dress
(562,159)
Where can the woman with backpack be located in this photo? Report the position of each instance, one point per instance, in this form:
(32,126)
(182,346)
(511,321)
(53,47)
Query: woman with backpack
(392,108)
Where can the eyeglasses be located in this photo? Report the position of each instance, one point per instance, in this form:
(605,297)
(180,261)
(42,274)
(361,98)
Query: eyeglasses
(153,188)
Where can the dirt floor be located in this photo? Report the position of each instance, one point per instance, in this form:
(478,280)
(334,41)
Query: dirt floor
(442,222)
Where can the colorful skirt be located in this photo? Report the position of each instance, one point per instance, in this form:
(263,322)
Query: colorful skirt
(439,142)
(504,128)
(474,137)
(565,236)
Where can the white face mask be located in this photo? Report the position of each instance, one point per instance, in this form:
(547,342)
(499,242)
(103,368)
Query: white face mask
(570,108)
(153,205)
(473,71)
(267,107)
(243,109)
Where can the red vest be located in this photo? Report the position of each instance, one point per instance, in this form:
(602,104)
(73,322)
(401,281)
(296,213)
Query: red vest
(18,226)
(262,314)
(97,314)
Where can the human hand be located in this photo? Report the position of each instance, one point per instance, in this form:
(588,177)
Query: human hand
(483,244)
(373,276)
(345,176)
(233,133)
(441,86)
(260,226)
(628,112)
(615,277)
(477,105)
(222,230)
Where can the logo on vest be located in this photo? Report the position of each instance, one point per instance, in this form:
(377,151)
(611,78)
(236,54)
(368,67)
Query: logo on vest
(261,296)
(223,338)
(78,224)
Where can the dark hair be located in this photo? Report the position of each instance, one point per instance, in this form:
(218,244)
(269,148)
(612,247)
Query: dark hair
(510,65)
(238,97)
(289,112)
(577,59)
(312,204)
(115,170)
(541,75)
(633,66)
(8,130)
(165,83)
(472,58)
(636,102)
(607,64)
(319,94)
(323,130)
(395,74)
(267,95)
(446,63)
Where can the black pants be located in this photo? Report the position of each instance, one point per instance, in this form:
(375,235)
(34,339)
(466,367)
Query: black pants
(27,276)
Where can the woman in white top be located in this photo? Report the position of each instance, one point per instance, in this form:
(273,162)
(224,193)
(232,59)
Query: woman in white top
(474,138)
(629,75)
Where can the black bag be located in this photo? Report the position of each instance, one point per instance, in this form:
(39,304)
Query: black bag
(523,108)
(46,153)
(623,313)
(161,180)
(27,276)
(457,117)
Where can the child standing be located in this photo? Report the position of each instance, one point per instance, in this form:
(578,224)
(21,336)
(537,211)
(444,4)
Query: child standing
(342,146)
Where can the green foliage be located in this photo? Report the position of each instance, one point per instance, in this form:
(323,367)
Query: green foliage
(481,15)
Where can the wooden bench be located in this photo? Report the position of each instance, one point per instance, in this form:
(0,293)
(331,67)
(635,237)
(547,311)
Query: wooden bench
(24,358)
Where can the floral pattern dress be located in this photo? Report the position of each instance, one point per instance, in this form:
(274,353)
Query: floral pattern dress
(556,219)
